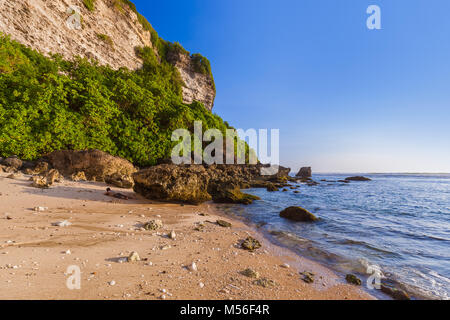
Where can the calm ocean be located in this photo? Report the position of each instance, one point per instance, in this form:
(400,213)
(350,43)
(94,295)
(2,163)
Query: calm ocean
(399,222)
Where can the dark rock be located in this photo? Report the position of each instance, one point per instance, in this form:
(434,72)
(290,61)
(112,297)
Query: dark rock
(224,224)
(153,225)
(251,244)
(120,180)
(396,294)
(298,214)
(272,188)
(250,273)
(352,279)
(28,165)
(357,178)
(173,183)
(308,277)
(230,194)
(260,184)
(199,183)
(265,283)
(13,162)
(305,172)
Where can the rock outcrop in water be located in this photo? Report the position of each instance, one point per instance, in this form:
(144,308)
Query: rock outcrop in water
(358,178)
(305,173)
(298,214)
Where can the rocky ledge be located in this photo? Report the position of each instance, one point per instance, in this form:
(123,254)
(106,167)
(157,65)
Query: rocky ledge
(196,184)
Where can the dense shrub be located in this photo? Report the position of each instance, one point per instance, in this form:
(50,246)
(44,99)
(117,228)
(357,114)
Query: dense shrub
(49,104)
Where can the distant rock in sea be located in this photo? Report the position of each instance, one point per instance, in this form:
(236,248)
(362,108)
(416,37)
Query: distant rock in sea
(358,178)
(304,173)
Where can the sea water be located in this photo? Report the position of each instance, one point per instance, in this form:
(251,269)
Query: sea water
(397,222)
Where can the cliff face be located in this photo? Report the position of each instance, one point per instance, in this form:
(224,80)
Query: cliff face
(197,86)
(109,34)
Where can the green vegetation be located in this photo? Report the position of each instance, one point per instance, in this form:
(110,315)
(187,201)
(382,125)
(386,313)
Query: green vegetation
(89,4)
(201,64)
(49,104)
(164,48)
(105,38)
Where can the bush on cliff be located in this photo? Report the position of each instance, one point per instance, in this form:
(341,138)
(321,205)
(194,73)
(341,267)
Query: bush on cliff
(49,104)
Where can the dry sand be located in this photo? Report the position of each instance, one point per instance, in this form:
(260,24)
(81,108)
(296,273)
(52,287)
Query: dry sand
(34,259)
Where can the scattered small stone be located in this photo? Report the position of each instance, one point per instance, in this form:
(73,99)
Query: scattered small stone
(193,267)
(200,227)
(285,266)
(112,283)
(251,244)
(134,256)
(40,209)
(224,224)
(352,279)
(265,283)
(172,235)
(201,285)
(153,225)
(250,273)
(308,277)
(62,224)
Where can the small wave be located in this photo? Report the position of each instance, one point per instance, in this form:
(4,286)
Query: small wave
(363,244)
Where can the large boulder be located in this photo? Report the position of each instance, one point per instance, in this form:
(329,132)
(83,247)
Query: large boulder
(173,183)
(97,166)
(13,162)
(298,214)
(305,173)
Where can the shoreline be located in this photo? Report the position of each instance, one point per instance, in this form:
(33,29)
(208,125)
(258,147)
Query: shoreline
(34,255)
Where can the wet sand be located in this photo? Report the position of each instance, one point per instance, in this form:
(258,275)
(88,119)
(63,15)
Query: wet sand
(35,255)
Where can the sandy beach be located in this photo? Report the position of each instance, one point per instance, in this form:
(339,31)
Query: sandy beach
(35,255)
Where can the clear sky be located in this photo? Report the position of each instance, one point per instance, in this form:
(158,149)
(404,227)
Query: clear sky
(345,98)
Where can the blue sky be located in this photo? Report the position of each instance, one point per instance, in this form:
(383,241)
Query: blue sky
(345,98)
